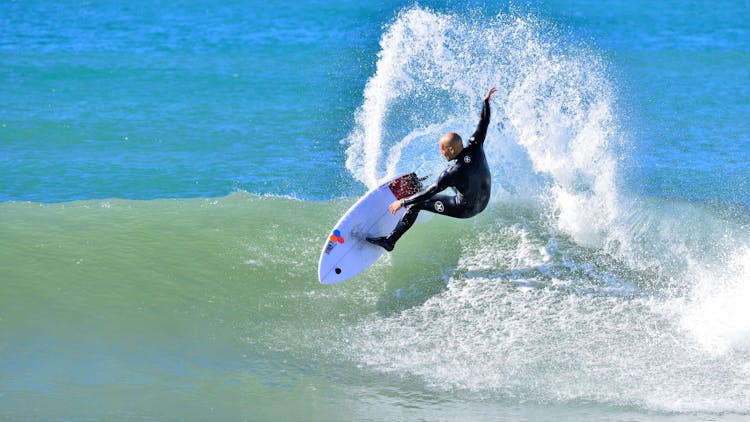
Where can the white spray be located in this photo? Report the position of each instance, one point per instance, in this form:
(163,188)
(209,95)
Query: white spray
(580,303)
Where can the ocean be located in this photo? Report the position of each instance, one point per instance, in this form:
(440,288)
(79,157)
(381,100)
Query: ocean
(169,172)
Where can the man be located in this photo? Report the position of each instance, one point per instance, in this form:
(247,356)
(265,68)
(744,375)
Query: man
(469,177)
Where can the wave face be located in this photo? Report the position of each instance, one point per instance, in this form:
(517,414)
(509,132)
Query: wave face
(105,301)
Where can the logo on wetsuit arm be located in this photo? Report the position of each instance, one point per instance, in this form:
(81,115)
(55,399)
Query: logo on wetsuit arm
(467,159)
(334,239)
(439,207)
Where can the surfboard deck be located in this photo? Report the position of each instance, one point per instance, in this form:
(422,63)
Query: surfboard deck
(345,252)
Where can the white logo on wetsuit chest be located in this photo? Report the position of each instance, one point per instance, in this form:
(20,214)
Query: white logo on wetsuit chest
(439,207)
(467,159)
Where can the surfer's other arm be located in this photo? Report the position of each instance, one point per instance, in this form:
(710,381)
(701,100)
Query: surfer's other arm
(484,121)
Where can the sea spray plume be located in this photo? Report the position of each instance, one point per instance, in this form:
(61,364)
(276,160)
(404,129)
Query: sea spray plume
(402,46)
(432,72)
(551,130)
(561,107)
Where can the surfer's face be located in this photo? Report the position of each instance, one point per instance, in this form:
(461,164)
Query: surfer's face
(450,145)
(448,149)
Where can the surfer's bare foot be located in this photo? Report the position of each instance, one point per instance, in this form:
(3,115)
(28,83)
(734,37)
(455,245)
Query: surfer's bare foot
(382,242)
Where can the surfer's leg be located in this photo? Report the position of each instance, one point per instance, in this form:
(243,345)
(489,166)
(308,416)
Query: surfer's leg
(447,206)
(388,242)
(437,204)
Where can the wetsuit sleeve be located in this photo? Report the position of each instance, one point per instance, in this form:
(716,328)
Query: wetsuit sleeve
(484,122)
(442,183)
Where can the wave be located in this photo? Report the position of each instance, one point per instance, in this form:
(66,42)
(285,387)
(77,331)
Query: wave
(501,306)
(567,289)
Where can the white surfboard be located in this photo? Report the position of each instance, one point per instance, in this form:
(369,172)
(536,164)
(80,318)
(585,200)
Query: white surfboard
(346,253)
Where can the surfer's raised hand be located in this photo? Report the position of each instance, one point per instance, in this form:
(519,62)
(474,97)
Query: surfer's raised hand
(395,206)
(489,94)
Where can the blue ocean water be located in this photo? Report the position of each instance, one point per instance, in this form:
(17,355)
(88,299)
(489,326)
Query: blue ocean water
(681,68)
(170,170)
(197,100)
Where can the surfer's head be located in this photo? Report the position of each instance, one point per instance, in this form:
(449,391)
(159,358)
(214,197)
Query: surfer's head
(451,145)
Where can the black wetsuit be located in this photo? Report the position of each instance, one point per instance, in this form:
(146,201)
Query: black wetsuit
(469,176)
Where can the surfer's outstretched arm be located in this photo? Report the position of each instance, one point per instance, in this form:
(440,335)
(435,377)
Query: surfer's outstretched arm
(484,120)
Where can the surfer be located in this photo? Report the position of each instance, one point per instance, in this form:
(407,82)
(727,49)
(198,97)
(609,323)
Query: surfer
(469,176)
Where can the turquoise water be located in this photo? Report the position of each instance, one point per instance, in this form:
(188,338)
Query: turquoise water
(169,173)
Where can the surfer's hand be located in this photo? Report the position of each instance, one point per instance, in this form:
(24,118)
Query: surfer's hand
(489,94)
(395,206)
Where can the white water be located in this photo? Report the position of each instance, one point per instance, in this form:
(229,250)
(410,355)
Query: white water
(601,296)
(552,127)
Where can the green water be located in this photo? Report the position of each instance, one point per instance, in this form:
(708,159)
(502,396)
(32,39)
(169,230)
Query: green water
(118,306)
(178,309)
(210,309)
